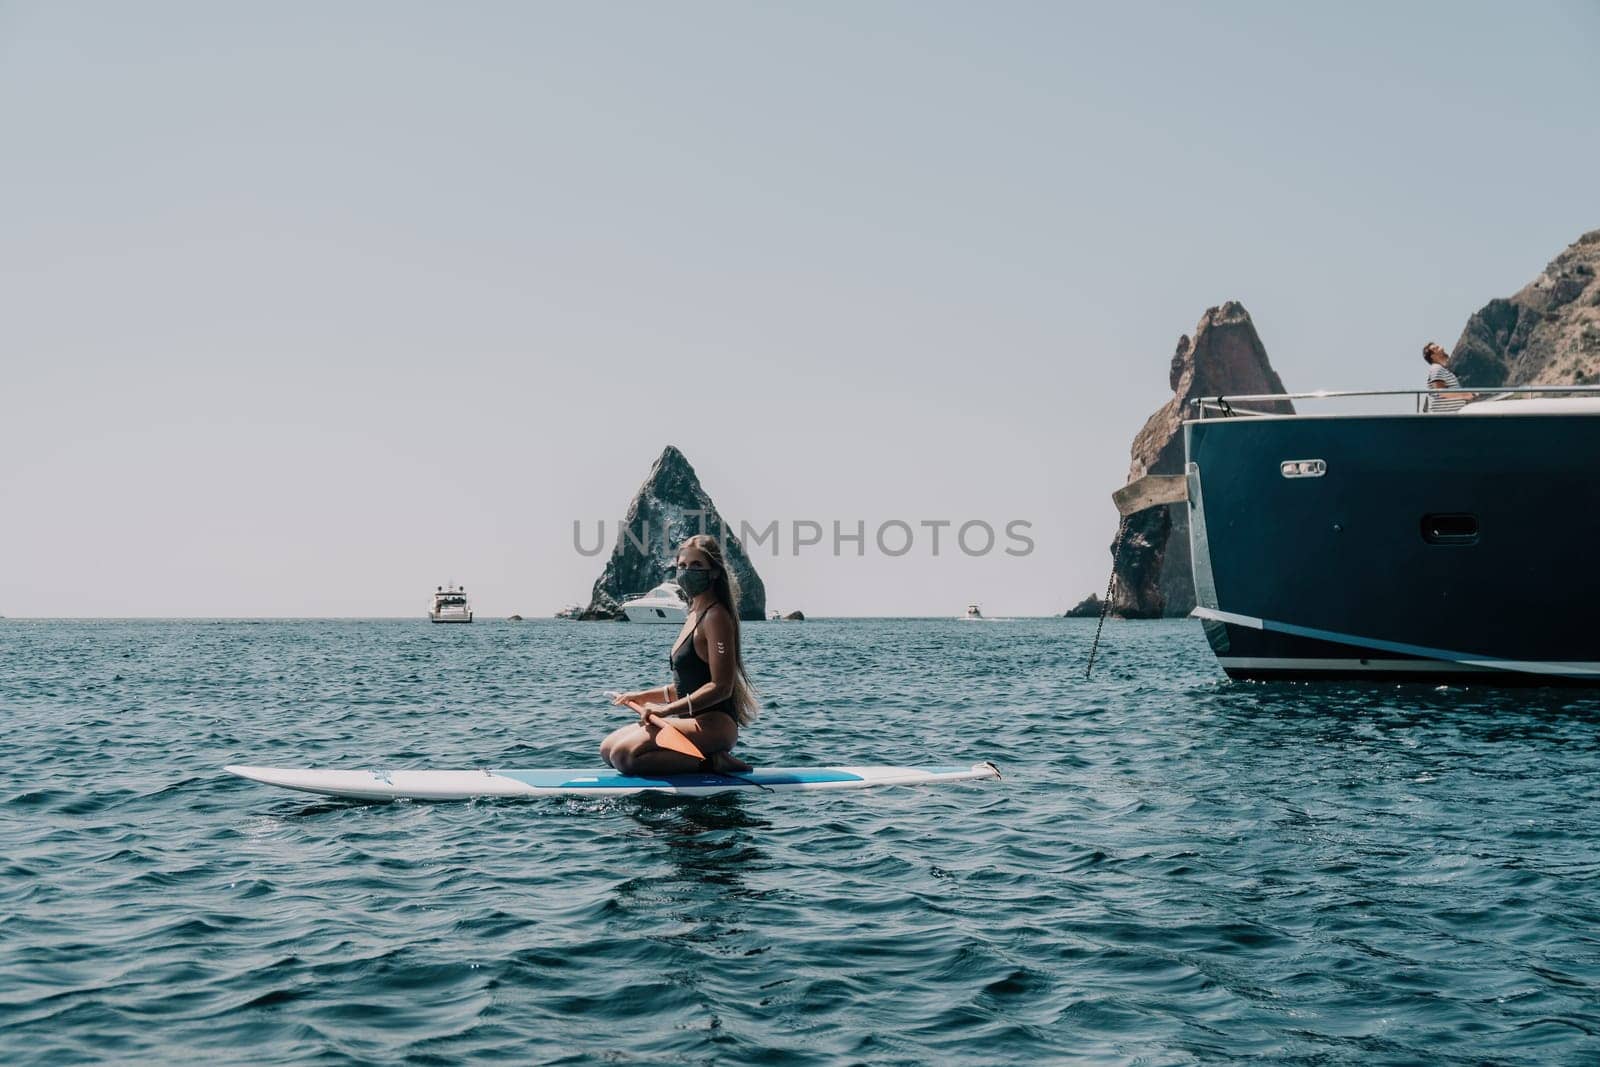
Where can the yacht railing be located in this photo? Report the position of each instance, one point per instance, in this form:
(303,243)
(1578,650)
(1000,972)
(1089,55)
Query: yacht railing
(1227,407)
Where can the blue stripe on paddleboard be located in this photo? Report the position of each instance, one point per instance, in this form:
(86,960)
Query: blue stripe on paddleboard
(613,780)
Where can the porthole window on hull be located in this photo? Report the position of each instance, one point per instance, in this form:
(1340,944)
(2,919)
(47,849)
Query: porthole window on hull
(1450,529)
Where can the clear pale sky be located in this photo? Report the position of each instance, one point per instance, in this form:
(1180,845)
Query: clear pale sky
(308,308)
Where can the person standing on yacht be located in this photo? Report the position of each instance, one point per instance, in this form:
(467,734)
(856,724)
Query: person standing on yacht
(1440,377)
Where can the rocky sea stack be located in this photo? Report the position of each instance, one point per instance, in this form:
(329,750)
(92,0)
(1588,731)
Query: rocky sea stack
(1152,578)
(1548,333)
(669,507)
(1087,608)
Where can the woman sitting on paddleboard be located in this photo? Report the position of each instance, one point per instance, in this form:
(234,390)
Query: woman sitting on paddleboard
(710,697)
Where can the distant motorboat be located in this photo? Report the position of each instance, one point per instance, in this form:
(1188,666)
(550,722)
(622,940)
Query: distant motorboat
(973,612)
(663,604)
(450,605)
(571,611)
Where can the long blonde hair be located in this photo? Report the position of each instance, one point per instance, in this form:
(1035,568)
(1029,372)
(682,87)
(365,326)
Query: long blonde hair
(725,590)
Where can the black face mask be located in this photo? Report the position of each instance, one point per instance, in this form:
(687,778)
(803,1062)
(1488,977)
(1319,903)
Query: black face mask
(693,581)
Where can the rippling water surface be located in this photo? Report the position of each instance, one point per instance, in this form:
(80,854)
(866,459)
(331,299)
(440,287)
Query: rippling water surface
(1175,868)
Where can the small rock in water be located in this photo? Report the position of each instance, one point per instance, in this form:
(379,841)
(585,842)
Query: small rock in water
(1087,608)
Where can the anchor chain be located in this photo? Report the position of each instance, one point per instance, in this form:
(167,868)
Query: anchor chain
(1105,604)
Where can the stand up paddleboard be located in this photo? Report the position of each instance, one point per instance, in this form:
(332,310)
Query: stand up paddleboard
(464,785)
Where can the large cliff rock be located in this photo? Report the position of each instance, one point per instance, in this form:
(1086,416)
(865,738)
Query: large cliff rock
(1152,578)
(1548,333)
(669,507)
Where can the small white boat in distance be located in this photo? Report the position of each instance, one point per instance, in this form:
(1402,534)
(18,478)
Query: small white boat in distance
(663,604)
(973,612)
(450,605)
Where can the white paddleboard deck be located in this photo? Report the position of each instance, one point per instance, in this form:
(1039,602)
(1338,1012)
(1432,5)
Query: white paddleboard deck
(465,785)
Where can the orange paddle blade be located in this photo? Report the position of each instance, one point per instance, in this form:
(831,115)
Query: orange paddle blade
(669,736)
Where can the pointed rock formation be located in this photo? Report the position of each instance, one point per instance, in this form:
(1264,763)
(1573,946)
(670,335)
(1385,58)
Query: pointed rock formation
(1152,578)
(669,507)
(1546,334)
(1087,608)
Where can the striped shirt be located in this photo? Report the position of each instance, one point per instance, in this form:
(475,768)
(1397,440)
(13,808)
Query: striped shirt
(1447,381)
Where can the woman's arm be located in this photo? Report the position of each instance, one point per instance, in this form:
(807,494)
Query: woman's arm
(716,628)
(648,696)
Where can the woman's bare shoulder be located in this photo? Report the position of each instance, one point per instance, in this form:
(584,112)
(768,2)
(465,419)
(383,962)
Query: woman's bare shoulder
(718,620)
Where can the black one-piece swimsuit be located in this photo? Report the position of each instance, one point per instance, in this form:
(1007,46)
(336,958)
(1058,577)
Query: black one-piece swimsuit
(690,672)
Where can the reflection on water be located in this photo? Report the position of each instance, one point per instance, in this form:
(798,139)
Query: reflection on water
(708,846)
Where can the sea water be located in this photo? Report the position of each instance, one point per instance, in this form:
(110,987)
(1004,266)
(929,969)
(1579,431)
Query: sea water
(1174,869)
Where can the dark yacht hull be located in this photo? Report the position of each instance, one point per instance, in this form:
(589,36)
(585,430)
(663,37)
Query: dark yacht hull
(1429,547)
